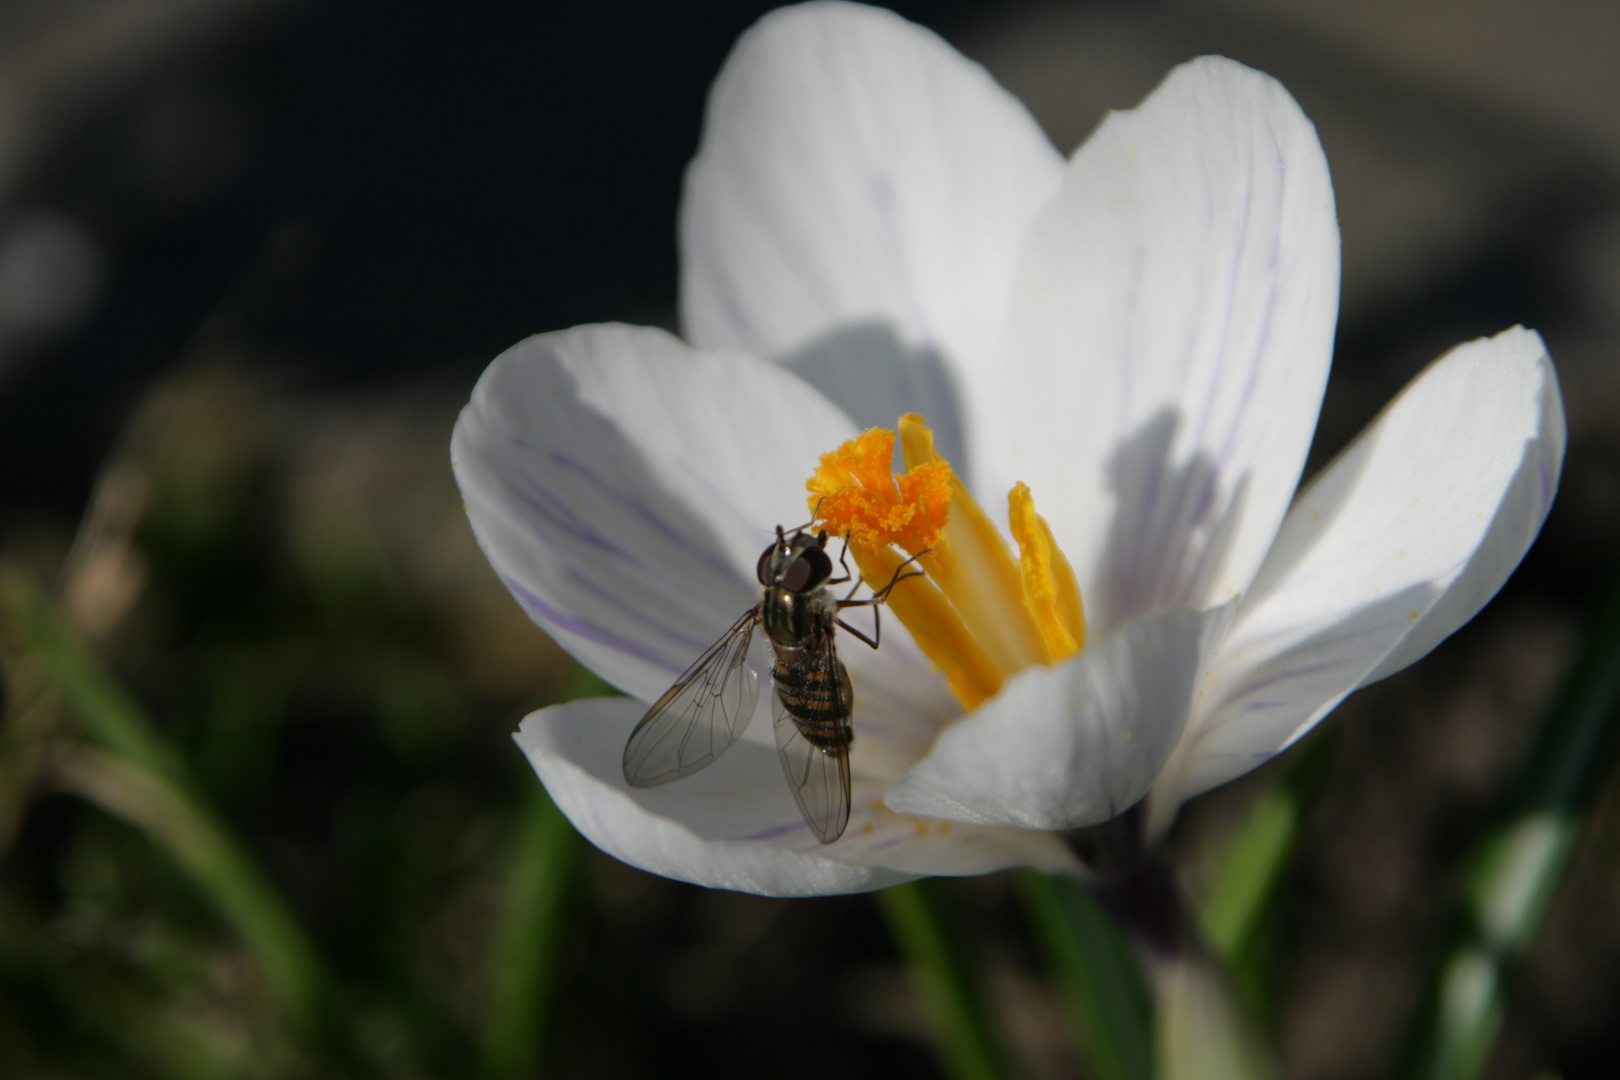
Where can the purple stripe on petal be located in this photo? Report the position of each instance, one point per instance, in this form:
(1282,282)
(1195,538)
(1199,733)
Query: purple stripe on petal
(1267,317)
(1288,673)
(682,642)
(885,845)
(1234,278)
(584,628)
(774,831)
(556,512)
(646,513)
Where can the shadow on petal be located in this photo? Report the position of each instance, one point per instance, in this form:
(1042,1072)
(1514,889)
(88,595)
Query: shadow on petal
(622,486)
(1279,700)
(866,370)
(1328,493)
(1172,528)
(1071,745)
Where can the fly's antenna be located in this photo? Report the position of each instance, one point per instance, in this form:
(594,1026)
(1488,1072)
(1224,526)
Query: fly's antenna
(797,529)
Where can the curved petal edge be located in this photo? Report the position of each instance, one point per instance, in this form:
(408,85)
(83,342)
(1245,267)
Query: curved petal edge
(1400,540)
(1074,744)
(1171,334)
(855,211)
(610,817)
(622,485)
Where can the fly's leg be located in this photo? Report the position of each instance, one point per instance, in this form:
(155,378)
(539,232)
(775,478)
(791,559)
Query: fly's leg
(883,593)
(847,575)
(875,601)
(877,629)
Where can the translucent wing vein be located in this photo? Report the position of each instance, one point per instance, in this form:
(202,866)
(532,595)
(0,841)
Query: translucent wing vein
(699,717)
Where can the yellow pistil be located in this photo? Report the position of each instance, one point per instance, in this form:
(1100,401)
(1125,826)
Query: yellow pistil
(856,494)
(979,615)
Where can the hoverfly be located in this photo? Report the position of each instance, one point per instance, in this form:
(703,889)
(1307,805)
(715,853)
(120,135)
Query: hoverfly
(705,712)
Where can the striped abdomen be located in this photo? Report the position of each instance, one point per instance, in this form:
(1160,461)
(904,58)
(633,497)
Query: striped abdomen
(816,693)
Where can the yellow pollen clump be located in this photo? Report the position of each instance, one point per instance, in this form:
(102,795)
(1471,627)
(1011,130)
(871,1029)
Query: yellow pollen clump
(855,494)
(979,614)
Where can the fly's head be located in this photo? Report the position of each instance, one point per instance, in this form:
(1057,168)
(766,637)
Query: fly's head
(798,563)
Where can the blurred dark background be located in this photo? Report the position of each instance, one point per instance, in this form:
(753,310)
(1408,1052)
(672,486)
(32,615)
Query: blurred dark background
(254,254)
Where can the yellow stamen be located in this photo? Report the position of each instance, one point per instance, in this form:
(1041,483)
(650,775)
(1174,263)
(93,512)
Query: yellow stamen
(1050,591)
(938,630)
(1069,600)
(977,614)
(971,565)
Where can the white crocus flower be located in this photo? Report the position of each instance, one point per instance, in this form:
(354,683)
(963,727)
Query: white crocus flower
(1140,333)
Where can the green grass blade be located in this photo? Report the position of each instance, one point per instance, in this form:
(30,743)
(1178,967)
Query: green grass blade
(31,712)
(523,961)
(108,712)
(1516,869)
(963,1031)
(139,776)
(1205,1030)
(213,859)
(1249,869)
(1098,972)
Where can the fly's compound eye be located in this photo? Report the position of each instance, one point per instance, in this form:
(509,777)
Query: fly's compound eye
(763,570)
(809,570)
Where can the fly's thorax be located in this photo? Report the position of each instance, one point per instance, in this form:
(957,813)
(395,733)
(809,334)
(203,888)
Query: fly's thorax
(795,620)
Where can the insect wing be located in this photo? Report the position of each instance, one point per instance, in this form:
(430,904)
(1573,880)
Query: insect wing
(818,778)
(699,717)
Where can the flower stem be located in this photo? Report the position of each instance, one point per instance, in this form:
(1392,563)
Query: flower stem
(1514,872)
(1099,974)
(522,963)
(939,974)
(1250,868)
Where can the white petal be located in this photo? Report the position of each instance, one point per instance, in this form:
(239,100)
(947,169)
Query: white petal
(1172,326)
(901,702)
(919,845)
(623,486)
(575,750)
(735,826)
(856,208)
(1073,744)
(1396,544)
(1518,519)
